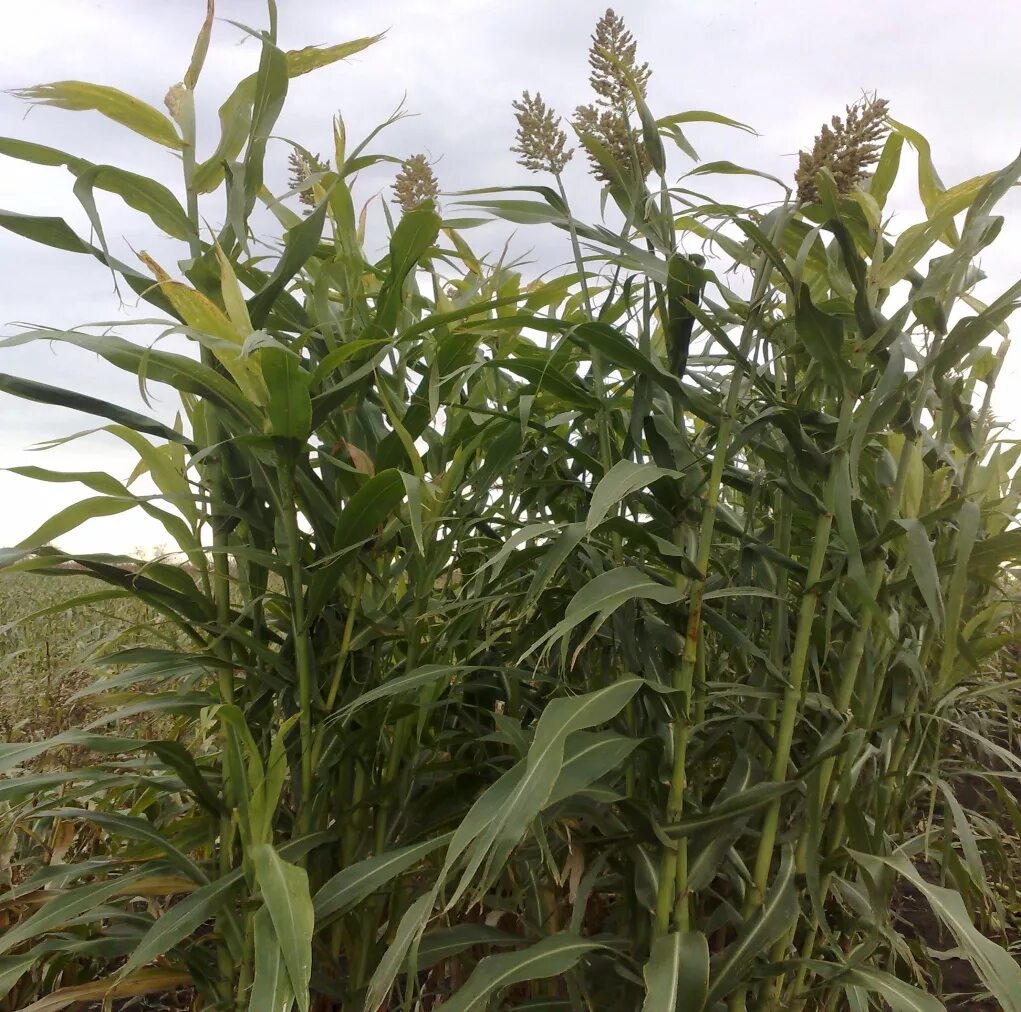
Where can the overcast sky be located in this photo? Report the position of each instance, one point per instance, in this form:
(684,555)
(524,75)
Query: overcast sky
(949,69)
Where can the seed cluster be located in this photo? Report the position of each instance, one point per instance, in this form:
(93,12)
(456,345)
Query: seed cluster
(303,167)
(415,183)
(541,142)
(847,147)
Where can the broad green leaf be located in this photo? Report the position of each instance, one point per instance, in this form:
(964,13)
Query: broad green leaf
(114,104)
(300,242)
(621,480)
(414,235)
(49,231)
(554,956)
(770,922)
(146,195)
(368,508)
(350,886)
(995,967)
(899,995)
(442,943)
(270,91)
(290,406)
(409,931)
(235,122)
(887,168)
(923,568)
(73,516)
(201,47)
(587,757)
(603,595)
(425,674)
(271,988)
(64,908)
(12,969)
(284,889)
(823,337)
(181,921)
(495,823)
(677,973)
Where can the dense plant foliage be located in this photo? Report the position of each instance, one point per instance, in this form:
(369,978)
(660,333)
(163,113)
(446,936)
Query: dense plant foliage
(614,640)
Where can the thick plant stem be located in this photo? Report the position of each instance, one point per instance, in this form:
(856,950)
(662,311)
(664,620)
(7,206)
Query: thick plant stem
(302,653)
(799,657)
(213,438)
(672,898)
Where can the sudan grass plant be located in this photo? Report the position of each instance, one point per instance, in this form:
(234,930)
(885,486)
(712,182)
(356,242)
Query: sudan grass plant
(616,640)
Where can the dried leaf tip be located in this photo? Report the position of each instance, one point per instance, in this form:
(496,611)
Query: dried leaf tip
(541,142)
(847,147)
(614,64)
(303,166)
(415,183)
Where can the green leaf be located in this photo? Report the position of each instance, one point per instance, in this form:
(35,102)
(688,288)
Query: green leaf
(426,674)
(235,123)
(270,91)
(284,889)
(994,965)
(201,47)
(409,930)
(290,406)
(41,154)
(146,195)
(302,61)
(603,595)
(587,757)
(300,243)
(65,908)
(74,516)
(368,508)
(443,943)
(677,973)
(554,956)
(181,921)
(112,103)
(620,481)
(43,393)
(773,919)
(899,995)
(360,880)
(702,116)
(823,337)
(886,171)
(415,233)
(49,231)
(923,568)
(271,988)
(496,822)
(12,969)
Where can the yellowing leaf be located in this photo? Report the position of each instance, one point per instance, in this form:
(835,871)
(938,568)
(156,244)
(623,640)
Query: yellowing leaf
(301,61)
(207,319)
(111,102)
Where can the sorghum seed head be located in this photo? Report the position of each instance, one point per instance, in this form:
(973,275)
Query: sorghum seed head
(847,147)
(415,183)
(541,142)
